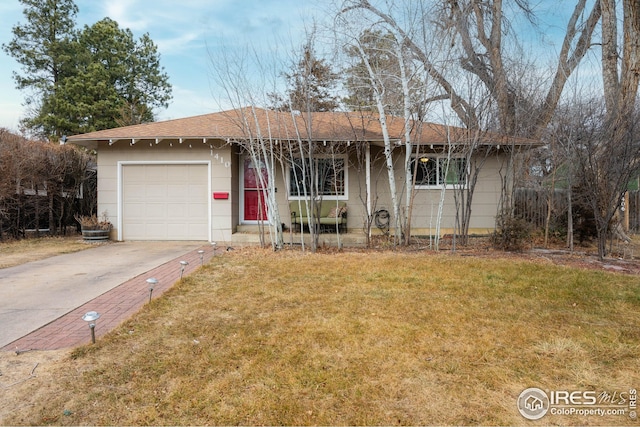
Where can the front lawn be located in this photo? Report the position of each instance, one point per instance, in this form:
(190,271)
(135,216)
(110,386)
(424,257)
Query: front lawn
(354,338)
(18,252)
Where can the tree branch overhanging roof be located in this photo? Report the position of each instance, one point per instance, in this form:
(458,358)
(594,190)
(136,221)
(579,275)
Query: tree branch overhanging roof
(257,123)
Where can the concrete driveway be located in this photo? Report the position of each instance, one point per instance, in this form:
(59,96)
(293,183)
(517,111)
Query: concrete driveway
(34,294)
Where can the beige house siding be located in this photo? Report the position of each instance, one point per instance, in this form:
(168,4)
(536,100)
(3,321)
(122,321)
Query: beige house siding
(225,164)
(484,206)
(212,139)
(485,202)
(111,159)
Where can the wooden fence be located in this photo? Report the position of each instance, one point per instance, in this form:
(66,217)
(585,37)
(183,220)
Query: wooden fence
(531,204)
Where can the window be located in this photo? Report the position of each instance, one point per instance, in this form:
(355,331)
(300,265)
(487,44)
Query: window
(432,171)
(329,176)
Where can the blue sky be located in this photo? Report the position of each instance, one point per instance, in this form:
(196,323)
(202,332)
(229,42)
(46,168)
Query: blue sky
(184,30)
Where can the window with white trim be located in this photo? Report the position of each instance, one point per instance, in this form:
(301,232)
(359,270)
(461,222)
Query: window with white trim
(329,175)
(432,171)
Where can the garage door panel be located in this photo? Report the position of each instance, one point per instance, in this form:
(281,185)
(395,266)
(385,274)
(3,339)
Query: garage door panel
(136,175)
(156,191)
(165,202)
(155,172)
(136,210)
(197,191)
(174,231)
(155,212)
(136,188)
(177,192)
(197,229)
(177,175)
(175,212)
(195,210)
(137,231)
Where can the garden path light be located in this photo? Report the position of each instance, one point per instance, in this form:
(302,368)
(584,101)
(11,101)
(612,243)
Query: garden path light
(152,281)
(183,264)
(91,317)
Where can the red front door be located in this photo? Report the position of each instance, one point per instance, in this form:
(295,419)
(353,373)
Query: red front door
(255,207)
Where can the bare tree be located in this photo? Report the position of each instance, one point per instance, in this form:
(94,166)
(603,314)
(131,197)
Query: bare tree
(378,92)
(606,159)
(386,79)
(308,82)
(620,64)
(476,29)
(488,89)
(608,153)
(232,72)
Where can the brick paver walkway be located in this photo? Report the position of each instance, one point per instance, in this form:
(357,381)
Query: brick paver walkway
(114,307)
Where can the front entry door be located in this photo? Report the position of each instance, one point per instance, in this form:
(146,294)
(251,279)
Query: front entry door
(255,208)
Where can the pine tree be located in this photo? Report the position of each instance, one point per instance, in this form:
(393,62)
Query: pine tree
(118,81)
(81,81)
(45,49)
(381,49)
(310,85)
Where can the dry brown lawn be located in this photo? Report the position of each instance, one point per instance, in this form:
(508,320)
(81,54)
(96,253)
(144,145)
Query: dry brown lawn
(22,251)
(351,338)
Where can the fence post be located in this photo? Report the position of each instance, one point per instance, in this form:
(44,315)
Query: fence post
(625,220)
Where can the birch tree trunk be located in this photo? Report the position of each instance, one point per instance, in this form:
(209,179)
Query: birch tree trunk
(388,149)
(408,145)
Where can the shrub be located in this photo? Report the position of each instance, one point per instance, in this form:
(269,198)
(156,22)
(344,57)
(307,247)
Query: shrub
(512,233)
(93,222)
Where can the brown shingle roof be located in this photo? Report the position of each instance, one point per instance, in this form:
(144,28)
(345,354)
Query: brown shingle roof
(245,123)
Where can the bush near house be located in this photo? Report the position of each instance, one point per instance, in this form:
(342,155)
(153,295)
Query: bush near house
(42,187)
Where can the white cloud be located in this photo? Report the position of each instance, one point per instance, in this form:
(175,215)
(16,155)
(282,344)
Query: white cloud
(177,45)
(128,14)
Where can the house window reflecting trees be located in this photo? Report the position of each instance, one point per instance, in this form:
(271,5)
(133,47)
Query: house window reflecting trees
(327,174)
(433,171)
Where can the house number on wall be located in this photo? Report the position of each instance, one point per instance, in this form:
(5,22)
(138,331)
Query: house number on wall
(226,164)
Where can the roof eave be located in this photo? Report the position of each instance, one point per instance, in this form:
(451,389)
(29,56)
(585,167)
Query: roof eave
(91,144)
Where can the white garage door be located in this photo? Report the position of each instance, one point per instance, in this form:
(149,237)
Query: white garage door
(165,202)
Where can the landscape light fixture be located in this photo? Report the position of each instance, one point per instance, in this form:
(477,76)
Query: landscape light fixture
(183,264)
(201,252)
(152,281)
(214,246)
(92,316)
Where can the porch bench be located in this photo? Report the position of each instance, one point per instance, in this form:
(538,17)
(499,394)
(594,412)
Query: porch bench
(329,210)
